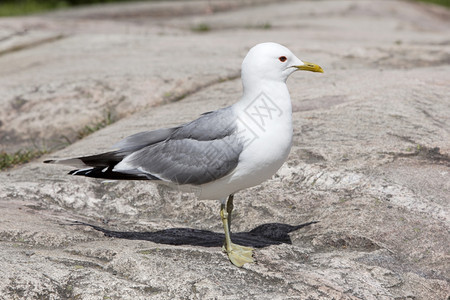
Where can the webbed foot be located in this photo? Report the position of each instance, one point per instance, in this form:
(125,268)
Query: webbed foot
(239,255)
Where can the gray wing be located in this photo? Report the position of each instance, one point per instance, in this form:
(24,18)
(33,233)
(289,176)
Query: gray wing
(196,153)
(139,140)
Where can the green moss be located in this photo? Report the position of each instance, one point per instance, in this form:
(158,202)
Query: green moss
(26,7)
(108,119)
(265,26)
(439,2)
(8,160)
(202,27)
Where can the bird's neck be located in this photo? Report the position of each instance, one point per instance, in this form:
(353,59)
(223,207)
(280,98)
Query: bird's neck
(274,94)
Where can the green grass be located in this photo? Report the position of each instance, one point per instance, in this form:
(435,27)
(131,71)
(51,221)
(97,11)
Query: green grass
(108,119)
(265,26)
(25,7)
(439,2)
(8,160)
(202,27)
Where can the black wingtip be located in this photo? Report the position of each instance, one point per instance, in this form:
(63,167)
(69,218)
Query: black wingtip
(108,173)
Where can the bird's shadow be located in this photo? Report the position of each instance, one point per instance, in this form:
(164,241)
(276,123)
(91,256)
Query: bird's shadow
(259,237)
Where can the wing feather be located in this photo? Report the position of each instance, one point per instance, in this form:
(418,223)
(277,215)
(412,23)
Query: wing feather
(196,153)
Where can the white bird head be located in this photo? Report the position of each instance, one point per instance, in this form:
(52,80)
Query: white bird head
(274,62)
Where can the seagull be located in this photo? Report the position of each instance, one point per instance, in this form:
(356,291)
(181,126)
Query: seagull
(220,153)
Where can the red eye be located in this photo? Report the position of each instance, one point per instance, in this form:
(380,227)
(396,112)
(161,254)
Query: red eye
(282,58)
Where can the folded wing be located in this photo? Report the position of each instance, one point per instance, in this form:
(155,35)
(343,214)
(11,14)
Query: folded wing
(194,153)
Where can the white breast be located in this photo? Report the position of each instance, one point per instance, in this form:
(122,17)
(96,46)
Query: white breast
(265,127)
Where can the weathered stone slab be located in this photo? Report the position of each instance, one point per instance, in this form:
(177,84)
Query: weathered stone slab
(370,161)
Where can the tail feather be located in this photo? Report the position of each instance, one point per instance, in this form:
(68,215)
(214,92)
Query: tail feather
(109,173)
(101,166)
(99,160)
(74,162)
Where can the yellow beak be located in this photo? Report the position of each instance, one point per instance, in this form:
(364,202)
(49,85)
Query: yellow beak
(309,67)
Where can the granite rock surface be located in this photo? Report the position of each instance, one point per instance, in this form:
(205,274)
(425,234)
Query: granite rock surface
(359,211)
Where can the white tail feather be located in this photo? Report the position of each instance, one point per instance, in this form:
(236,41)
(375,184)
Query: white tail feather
(75,162)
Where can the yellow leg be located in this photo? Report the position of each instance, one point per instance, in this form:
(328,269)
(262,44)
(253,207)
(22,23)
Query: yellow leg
(238,255)
(230,207)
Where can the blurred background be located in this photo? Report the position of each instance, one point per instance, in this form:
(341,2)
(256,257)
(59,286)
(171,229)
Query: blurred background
(24,7)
